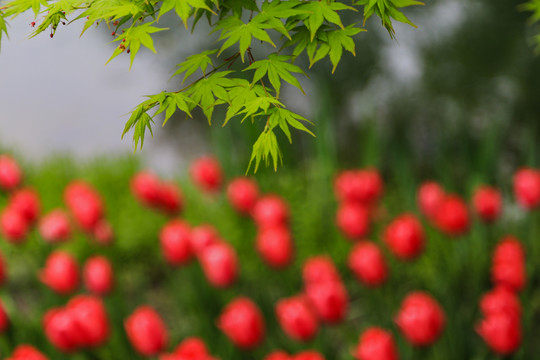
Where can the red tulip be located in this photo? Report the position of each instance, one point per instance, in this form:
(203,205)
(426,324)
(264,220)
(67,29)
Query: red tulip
(500,299)
(61,330)
(85,204)
(61,273)
(219,264)
(26,352)
(103,232)
(10,173)
(297,318)
(452,216)
(487,203)
(170,198)
(353,220)
(203,236)
(270,211)
(206,173)
(329,300)
(192,348)
(308,355)
(508,267)
(359,186)
(367,262)
(501,331)
(243,323)
(90,319)
(242,194)
(278,355)
(420,319)
(146,187)
(26,202)
(146,331)
(430,195)
(54,227)
(376,344)
(275,246)
(405,237)
(319,269)
(175,242)
(13,225)
(98,275)
(527,187)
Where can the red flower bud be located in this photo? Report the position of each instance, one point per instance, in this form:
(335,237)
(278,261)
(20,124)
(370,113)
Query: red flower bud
(275,246)
(192,348)
(420,319)
(54,227)
(203,236)
(146,331)
(329,300)
(353,220)
(206,173)
(501,331)
(508,267)
(359,186)
(376,344)
(405,237)
(90,319)
(84,203)
(61,330)
(367,262)
(26,202)
(297,318)
(487,203)
(103,232)
(26,352)
(270,211)
(13,225)
(219,264)
(278,355)
(308,355)
(242,194)
(430,195)
(146,188)
(61,273)
(170,198)
(452,216)
(243,323)
(10,173)
(319,269)
(175,242)
(500,299)
(98,275)
(527,187)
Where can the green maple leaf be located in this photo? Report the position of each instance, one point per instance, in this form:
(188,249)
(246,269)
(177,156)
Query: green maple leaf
(16,7)
(276,68)
(194,63)
(183,8)
(321,11)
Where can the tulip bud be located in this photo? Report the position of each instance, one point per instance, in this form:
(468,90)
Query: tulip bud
(508,266)
(242,194)
(243,323)
(376,344)
(358,186)
(405,237)
(353,220)
(501,331)
(219,264)
(452,216)
(10,173)
(90,319)
(206,173)
(103,232)
(367,263)
(61,330)
(420,319)
(54,227)
(430,195)
(319,269)
(26,202)
(84,203)
(175,242)
(146,188)
(500,299)
(146,331)
(13,225)
(26,352)
(487,203)
(527,187)
(271,211)
(98,275)
(329,300)
(170,198)
(203,236)
(61,273)
(275,246)
(297,318)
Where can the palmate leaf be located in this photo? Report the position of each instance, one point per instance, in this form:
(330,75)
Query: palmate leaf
(183,8)
(133,38)
(276,68)
(272,13)
(319,11)
(341,39)
(194,63)
(111,10)
(170,102)
(387,10)
(279,116)
(234,30)
(265,147)
(16,7)
(241,96)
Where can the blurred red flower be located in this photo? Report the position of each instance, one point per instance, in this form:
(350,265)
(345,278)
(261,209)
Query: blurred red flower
(527,187)
(146,331)
(508,264)
(405,237)
(376,344)
(10,173)
(54,227)
(367,263)
(220,264)
(206,173)
(175,242)
(275,246)
(487,202)
(242,193)
(242,322)
(297,317)
(98,275)
(270,211)
(353,220)
(452,216)
(61,272)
